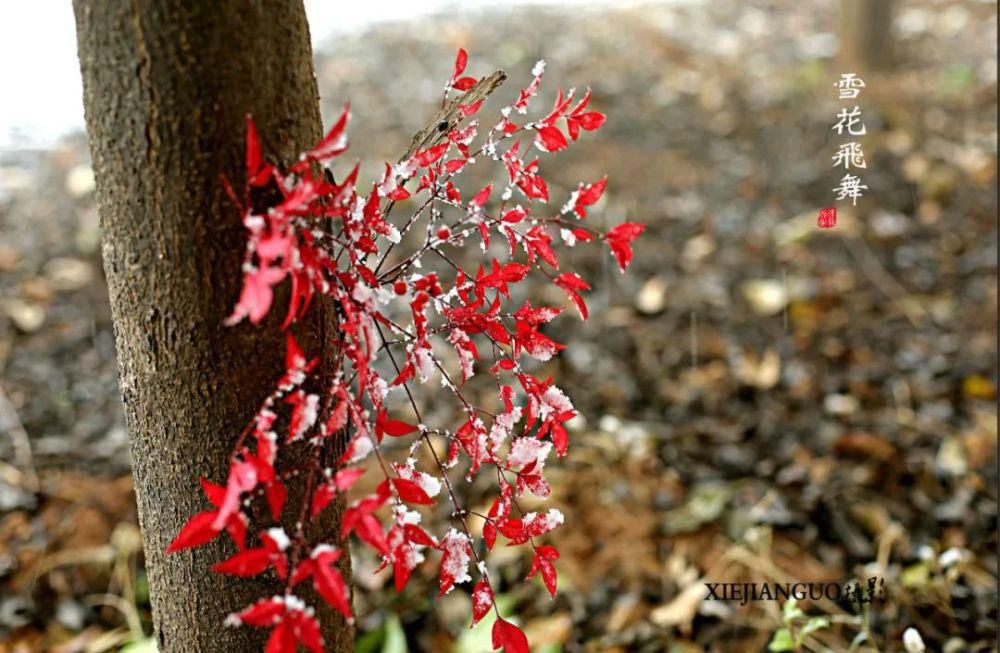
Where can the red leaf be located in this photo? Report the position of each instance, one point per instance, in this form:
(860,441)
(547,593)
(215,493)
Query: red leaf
(591,120)
(509,637)
(464,84)
(253,149)
(417,535)
(294,358)
(370,531)
(197,531)
(330,584)
(307,631)
(550,139)
(511,528)
(237,529)
(592,192)
(337,419)
(345,478)
(454,165)
(571,283)
(322,497)
(407,490)
(242,478)
(461,59)
(469,109)
(514,216)
(620,240)
(262,613)
(245,563)
(391,427)
(401,567)
(482,600)
(276,494)
(216,493)
(560,438)
(256,295)
(542,561)
(335,141)
(399,194)
(489,534)
(482,196)
(430,155)
(548,576)
(588,194)
(282,639)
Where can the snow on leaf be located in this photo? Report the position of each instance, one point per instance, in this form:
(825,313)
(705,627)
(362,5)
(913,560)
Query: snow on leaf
(482,600)
(457,552)
(528,453)
(430,485)
(541,561)
(242,478)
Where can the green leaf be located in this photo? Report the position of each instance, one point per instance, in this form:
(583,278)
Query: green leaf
(144,645)
(790,611)
(395,638)
(858,640)
(814,624)
(782,641)
(370,642)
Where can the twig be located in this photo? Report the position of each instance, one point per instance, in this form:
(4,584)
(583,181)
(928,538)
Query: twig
(913,310)
(449,116)
(19,438)
(124,607)
(445,120)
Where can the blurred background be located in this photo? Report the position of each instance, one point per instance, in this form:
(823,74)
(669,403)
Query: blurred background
(762,400)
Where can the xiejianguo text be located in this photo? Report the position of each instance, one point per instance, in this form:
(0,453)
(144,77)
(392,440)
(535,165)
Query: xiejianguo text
(872,590)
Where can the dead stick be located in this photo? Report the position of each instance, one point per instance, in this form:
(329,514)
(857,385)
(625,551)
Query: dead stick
(450,115)
(20,441)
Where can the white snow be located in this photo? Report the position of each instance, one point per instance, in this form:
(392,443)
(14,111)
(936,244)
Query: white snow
(455,563)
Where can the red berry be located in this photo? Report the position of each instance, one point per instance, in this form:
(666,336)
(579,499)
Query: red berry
(399,287)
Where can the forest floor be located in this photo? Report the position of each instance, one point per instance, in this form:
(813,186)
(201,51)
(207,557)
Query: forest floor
(762,401)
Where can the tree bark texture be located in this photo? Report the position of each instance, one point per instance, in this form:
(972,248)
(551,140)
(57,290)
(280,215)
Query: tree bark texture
(167,85)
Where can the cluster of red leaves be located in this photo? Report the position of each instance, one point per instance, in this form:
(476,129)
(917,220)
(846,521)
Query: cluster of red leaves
(332,241)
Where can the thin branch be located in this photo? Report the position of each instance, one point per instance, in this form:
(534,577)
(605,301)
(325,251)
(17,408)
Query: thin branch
(449,116)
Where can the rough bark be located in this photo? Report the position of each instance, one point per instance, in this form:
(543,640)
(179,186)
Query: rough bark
(167,85)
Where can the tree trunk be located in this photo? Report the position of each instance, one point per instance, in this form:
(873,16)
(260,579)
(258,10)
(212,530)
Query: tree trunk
(167,85)
(866,34)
